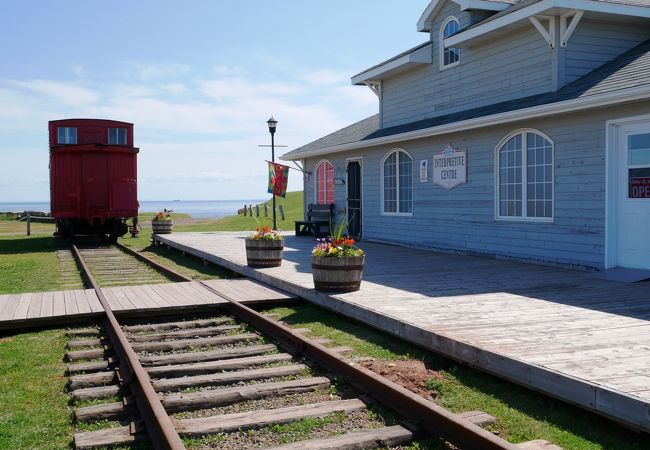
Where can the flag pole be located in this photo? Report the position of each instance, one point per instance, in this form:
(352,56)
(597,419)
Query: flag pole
(272,124)
(273,160)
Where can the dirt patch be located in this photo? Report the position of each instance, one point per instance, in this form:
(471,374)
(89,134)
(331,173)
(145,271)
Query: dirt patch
(411,374)
(6,339)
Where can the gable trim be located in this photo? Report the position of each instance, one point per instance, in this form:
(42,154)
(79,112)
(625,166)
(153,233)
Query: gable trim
(426,20)
(541,7)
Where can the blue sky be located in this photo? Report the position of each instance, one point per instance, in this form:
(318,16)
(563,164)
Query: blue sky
(198,79)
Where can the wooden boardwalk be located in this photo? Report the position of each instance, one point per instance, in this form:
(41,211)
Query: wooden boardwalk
(558,331)
(60,307)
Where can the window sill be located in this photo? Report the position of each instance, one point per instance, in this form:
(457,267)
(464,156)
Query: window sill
(449,66)
(525,219)
(395,214)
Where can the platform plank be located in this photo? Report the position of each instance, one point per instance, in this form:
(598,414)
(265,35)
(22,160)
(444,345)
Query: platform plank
(11,302)
(47,305)
(556,330)
(23,307)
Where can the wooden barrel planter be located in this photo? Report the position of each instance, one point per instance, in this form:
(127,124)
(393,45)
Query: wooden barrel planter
(333,274)
(264,252)
(162,226)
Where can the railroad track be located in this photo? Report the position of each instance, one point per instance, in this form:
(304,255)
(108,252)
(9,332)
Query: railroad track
(163,380)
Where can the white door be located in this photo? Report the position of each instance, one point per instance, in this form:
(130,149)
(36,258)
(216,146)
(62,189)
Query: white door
(634,196)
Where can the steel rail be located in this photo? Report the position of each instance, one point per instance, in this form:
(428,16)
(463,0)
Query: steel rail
(158,424)
(426,414)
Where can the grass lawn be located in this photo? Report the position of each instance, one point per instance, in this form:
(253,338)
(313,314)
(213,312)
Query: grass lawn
(34,412)
(521,414)
(29,263)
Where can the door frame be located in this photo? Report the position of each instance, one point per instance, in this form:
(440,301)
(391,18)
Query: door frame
(612,152)
(359,159)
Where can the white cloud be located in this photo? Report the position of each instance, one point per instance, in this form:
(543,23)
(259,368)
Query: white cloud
(70,94)
(191,131)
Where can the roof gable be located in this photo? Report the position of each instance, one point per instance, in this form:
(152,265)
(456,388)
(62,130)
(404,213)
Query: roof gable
(426,20)
(624,79)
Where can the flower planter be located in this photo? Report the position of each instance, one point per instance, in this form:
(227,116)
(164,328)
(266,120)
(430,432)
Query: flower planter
(264,252)
(162,226)
(337,274)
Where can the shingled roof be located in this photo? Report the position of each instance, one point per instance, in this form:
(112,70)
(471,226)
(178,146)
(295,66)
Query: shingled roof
(629,70)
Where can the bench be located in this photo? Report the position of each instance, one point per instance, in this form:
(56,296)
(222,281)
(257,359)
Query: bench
(318,220)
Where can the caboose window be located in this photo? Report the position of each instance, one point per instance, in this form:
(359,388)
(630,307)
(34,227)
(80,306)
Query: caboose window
(117,136)
(67,135)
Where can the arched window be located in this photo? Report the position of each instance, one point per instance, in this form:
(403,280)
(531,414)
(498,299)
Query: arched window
(397,183)
(449,56)
(324,183)
(525,176)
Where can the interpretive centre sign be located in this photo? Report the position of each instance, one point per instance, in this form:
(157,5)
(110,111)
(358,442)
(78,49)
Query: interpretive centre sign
(450,167)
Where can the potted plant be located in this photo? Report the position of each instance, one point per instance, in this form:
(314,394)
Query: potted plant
(337,265)
(264,248)
(162,222)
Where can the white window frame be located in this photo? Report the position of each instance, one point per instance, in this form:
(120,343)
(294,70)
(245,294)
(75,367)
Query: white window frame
(316,181)
(126,135)
(67,135)
(442,44)
(397,186)
(524,179)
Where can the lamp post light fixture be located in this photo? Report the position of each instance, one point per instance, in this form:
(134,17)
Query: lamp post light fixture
(272,125)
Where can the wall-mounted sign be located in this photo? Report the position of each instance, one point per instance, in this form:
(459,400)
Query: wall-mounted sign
(339,181)
(450,167)
(424,170)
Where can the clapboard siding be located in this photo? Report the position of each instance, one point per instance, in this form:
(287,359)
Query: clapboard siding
(593,43)
(462,219)
(511,66)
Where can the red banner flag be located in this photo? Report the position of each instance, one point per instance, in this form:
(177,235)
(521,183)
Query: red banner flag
(278,178)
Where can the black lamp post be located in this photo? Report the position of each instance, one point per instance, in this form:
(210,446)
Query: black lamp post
(272,124)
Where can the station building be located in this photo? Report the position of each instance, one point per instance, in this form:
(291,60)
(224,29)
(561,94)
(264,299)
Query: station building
(519,129)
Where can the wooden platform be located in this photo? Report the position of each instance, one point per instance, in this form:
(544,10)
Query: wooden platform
(61,307)
(558,331)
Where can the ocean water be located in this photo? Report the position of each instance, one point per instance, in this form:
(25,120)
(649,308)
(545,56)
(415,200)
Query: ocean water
(198,209)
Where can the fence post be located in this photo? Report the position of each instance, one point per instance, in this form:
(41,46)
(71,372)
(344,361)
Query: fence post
(245,210)
(266,210)
(29,224)
(257,210)
(281,212)
(250,210)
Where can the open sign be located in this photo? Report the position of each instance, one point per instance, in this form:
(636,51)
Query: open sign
(640,188)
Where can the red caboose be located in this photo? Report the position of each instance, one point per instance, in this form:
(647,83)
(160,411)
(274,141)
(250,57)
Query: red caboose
(93,176)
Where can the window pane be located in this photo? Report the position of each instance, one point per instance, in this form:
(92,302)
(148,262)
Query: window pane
(325,183)
(60,135)
(390,183)
(72,136)
(405,183)
(510,178)
(450,55)
(539,174)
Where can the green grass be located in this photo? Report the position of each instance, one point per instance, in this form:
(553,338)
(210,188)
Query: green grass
(29,264)
(34,412)
(521,414)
